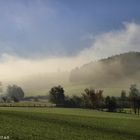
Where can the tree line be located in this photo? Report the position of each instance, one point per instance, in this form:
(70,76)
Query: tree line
(94,99)
(89,98)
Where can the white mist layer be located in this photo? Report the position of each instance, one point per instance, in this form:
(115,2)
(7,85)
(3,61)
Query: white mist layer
(127,39)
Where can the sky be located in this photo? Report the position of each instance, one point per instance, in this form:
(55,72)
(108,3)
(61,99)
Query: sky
(42,36)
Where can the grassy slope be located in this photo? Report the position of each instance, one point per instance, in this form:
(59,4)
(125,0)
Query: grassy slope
(69,124)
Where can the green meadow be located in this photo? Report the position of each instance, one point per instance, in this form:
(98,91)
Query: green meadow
(23,123)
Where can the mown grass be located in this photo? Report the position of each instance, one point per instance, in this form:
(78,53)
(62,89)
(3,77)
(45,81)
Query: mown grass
(67,124)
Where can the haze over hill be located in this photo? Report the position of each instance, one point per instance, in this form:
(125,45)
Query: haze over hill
(112,72)
(119,70)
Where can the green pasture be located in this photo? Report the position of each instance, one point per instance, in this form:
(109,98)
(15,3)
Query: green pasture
(21,123)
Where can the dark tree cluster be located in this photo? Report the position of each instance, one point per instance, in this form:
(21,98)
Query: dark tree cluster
(134,97)
(57,95)
(94,99)
(91,98)
(111,103)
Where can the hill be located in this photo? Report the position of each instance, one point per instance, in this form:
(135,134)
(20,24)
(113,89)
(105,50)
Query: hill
(118,70)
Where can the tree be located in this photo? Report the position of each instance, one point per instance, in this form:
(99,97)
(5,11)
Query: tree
(56,95)
(92,98)
(73,101)
(100,99)
(123,98)
(111,103)
(134,96)
(15,93)
(89,98)
(4,98)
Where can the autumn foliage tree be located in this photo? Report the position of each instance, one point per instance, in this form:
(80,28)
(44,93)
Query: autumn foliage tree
(92,98)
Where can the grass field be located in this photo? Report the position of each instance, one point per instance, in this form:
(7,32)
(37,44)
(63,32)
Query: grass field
(67,124)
